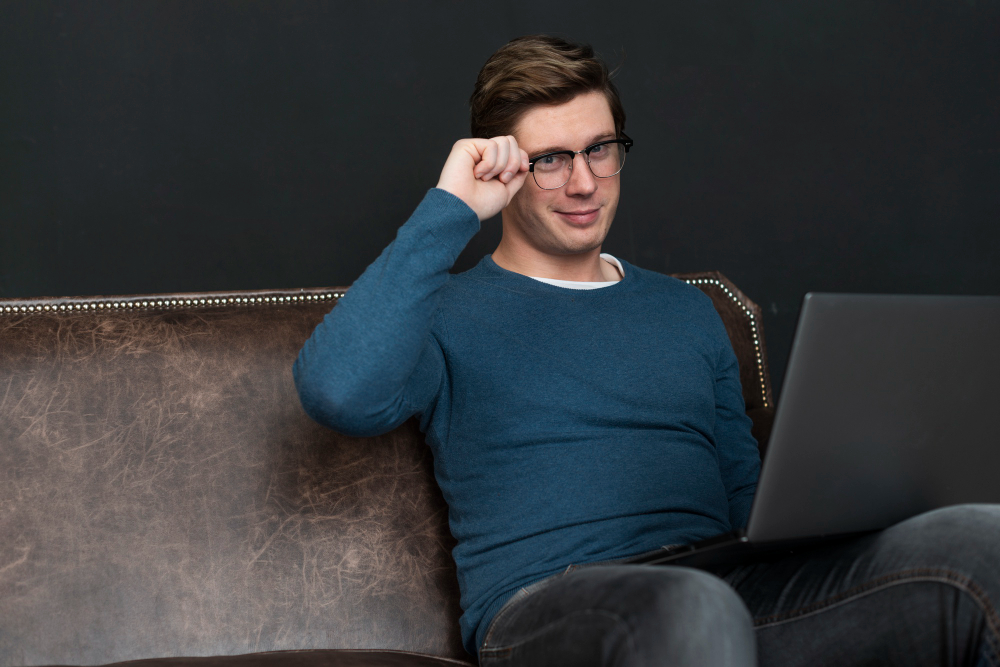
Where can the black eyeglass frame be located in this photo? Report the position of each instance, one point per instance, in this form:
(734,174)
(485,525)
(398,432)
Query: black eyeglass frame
(624,140)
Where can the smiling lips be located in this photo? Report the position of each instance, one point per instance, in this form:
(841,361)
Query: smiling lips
(582,217)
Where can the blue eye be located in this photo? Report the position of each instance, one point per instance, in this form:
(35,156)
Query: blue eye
(550,163)
(602,152)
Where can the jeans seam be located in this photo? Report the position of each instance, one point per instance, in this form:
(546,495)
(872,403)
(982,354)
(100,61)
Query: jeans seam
(520,595)
(945,576)
(496,651)
(500,614)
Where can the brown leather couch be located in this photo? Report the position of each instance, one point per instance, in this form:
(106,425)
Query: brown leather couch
(164,497)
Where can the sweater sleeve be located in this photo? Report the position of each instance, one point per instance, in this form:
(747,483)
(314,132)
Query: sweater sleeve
(739,457)
(372,362)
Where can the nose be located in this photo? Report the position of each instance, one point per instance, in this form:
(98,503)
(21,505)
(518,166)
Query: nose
(582,181)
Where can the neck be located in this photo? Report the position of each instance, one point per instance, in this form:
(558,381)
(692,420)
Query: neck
(582,267)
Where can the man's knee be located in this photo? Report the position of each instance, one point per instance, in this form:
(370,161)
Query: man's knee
(951,527)
(961,538)
(692,616)
(697,599)
(962,519)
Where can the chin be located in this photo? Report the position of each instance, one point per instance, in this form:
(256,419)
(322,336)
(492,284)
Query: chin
(575,247)
(572,244)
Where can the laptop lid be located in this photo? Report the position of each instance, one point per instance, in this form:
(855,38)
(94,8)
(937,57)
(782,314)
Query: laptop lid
(888,409)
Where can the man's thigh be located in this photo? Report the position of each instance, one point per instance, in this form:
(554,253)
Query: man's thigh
(922,592)
(623,615)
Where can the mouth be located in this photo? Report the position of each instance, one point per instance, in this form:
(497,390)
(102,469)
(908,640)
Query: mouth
(580,217)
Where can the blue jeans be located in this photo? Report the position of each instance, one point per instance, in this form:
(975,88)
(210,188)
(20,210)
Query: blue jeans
(923,592)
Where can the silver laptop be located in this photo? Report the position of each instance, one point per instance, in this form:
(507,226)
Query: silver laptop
(890,408)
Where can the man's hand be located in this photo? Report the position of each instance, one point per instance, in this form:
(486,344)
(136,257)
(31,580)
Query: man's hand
(485,173)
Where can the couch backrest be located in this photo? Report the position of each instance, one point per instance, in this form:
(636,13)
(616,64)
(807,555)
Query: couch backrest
(162,493)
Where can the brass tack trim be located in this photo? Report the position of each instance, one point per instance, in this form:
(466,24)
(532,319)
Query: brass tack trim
(753,328)
(169,303)
(326,296)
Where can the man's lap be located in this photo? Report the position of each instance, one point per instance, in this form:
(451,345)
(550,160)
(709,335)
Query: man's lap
(924,589)
(922,592)
(621,614)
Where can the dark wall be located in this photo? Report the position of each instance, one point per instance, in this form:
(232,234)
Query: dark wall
(794,145)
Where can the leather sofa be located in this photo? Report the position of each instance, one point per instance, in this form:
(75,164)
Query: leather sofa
(165,499)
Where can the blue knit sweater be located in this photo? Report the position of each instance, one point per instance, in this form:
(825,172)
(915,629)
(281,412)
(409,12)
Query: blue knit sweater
(567,426)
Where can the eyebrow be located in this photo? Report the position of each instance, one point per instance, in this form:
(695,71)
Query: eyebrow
(555,149)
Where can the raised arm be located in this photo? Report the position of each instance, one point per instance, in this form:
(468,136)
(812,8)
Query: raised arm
(371,362)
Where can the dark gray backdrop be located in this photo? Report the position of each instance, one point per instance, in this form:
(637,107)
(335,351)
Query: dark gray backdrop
(794,145)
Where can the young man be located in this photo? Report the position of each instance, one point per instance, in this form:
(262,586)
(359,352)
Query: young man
(582,410)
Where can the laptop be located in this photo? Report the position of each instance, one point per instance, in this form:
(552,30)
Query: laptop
(890,408)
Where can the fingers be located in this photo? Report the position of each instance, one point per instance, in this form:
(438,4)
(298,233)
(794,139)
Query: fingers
(503,154)
(515,158)
(487,160)
(485,173)
(515,183)
(501,159)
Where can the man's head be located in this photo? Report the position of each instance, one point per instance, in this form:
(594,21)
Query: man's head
(537,70)
(551,95)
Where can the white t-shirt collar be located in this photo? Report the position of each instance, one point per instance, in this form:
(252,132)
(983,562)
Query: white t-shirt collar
(580,284)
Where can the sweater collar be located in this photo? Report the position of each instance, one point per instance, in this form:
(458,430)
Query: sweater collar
(490,269)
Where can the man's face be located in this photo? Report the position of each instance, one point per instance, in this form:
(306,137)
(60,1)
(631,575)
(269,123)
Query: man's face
(576,217)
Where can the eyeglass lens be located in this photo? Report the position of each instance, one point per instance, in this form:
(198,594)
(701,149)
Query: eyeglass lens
(553,171)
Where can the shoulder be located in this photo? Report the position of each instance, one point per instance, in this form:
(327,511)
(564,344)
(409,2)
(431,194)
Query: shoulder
(468,282)
(678,300)
(681,291)
(471,295)
(487,284)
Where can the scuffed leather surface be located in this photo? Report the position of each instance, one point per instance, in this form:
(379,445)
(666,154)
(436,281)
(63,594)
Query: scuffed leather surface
(163,494)
(304,659)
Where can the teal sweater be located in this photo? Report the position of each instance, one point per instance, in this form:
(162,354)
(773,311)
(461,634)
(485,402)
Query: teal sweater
(567,426)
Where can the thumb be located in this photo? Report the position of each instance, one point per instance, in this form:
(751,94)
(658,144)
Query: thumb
(515,184)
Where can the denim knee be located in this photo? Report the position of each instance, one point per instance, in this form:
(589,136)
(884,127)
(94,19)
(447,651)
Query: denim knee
(691,615)
(961,537)
(626,615)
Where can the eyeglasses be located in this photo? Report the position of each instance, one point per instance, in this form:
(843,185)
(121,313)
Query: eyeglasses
(605,158)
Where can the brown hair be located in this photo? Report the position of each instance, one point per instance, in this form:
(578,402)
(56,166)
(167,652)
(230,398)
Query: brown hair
(533,70)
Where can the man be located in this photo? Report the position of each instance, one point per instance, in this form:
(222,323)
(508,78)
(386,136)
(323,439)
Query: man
(582,410)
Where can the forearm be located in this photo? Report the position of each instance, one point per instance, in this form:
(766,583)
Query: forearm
(357,372)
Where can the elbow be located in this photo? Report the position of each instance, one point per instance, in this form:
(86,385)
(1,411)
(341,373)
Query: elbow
(337,403)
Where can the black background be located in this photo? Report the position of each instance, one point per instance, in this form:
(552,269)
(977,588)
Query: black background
(795,145)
